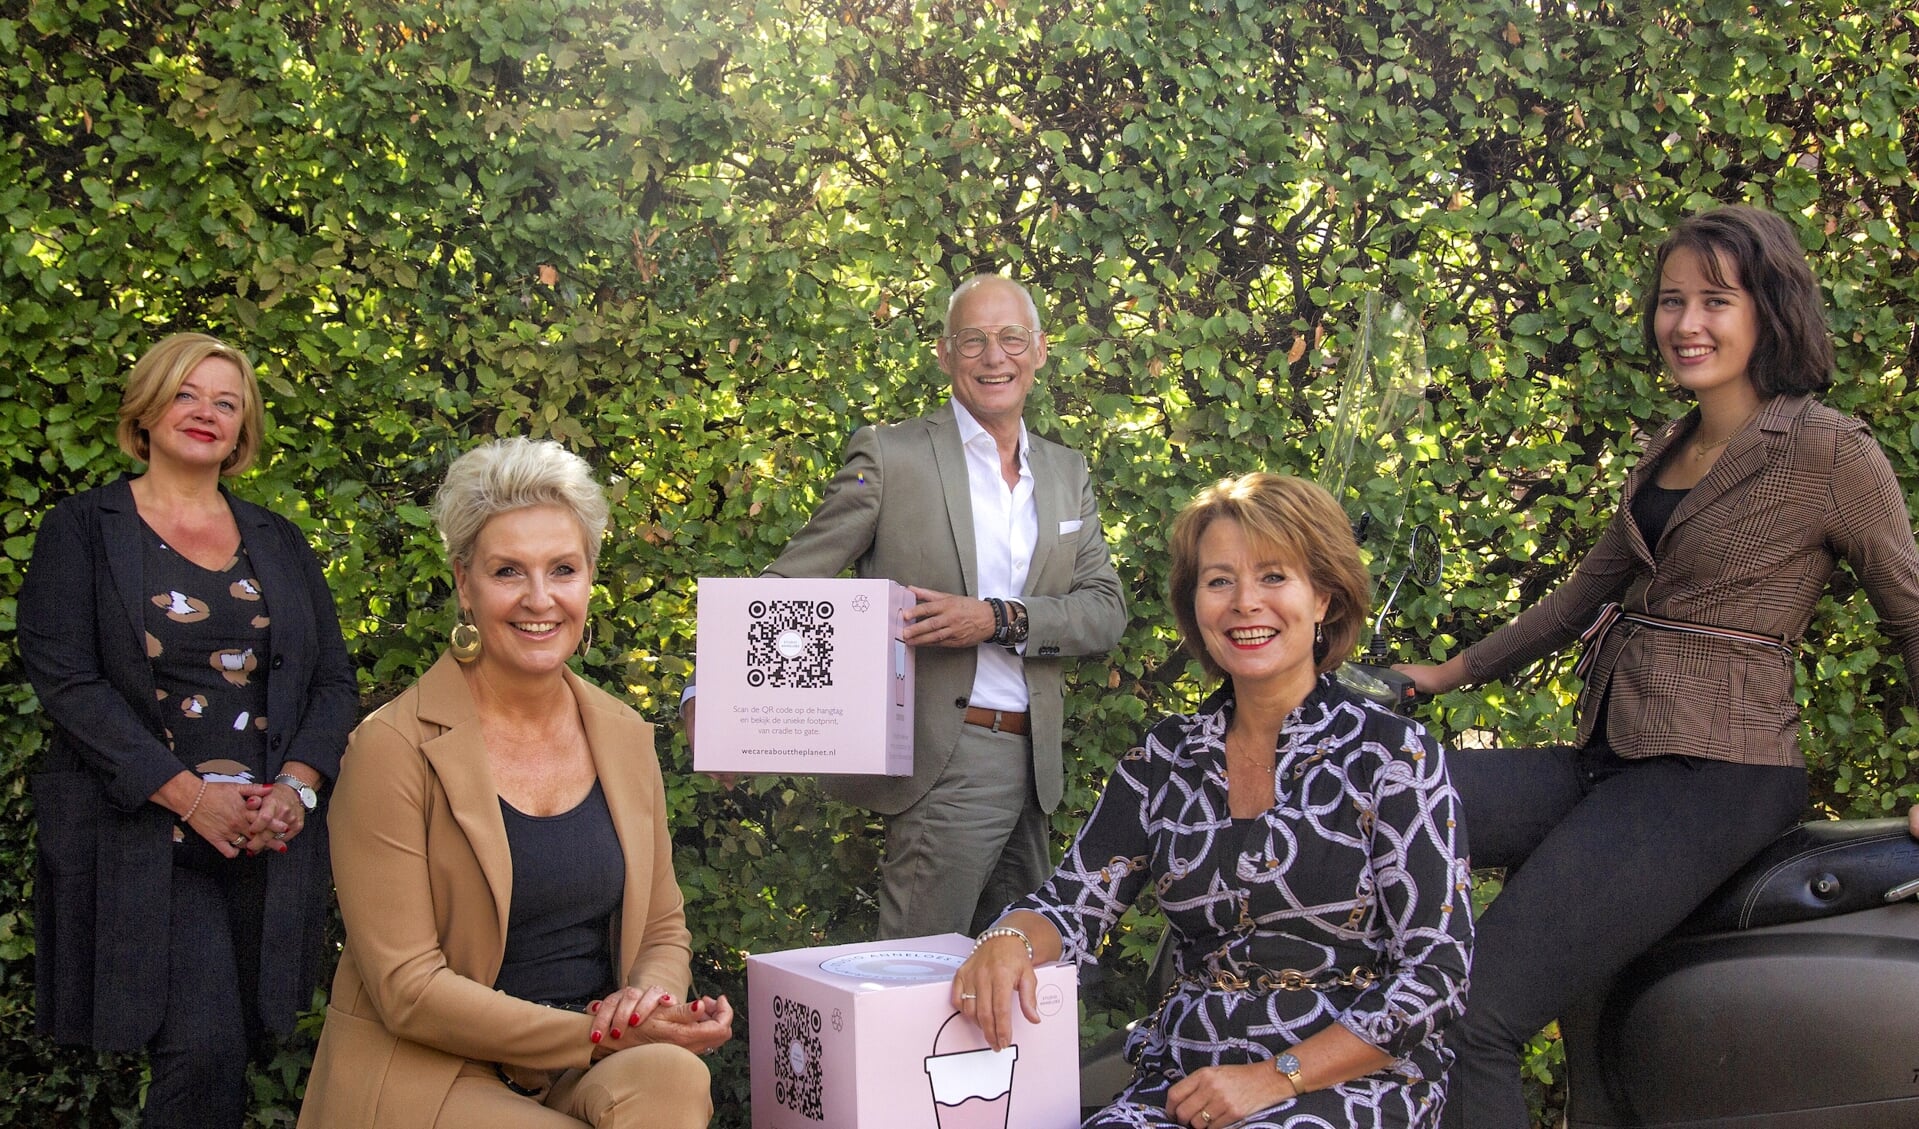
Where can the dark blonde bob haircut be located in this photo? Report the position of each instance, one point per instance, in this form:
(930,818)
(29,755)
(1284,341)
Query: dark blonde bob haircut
(156,379)
(1294,521)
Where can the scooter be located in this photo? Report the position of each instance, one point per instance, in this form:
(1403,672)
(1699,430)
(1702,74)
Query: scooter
(1788,1000)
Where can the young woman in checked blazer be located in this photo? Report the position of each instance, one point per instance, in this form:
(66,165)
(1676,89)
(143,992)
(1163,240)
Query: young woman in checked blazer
(1687,759)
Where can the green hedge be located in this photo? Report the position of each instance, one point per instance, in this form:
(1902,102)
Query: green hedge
(701,240)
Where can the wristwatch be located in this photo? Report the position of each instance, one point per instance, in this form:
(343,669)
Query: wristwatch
(309,799)
(1288,1064)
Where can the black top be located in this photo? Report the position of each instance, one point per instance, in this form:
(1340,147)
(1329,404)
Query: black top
(568,875)
(208,641)
(1652,509)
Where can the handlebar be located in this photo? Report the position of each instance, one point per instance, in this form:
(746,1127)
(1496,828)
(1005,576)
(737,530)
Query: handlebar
(1381,684)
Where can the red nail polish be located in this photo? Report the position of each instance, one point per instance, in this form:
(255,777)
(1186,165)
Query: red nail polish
(280,847)
(696,1007)
(616,1032)
(633,1020)
(593,1007)
(596,1036)
(665,999)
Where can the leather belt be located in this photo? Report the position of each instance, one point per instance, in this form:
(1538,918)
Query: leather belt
(999,721)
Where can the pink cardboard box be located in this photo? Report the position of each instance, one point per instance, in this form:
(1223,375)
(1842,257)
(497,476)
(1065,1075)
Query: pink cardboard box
(803,676)
(864,1037)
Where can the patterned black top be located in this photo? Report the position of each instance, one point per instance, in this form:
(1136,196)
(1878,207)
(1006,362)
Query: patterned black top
(207,635)
(1359,865)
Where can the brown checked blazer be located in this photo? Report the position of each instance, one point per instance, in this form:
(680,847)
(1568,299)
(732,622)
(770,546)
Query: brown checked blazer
(1750,547)
(425,881)
(901,508)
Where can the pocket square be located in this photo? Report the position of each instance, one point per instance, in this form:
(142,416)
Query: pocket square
(1072,526)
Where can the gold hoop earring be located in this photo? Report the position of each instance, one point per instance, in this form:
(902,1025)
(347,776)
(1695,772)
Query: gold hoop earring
(586,640)
(464,641)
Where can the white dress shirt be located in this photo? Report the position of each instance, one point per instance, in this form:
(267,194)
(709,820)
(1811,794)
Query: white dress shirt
(1005,529)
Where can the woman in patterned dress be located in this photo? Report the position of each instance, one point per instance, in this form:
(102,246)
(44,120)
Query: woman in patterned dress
(183,644)
(1302,843)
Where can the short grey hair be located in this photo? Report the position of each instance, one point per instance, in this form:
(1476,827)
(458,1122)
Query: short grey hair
(979,280)
(511,474)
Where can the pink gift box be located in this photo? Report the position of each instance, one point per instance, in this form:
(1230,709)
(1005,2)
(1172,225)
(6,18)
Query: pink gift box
(865,1037)
(803,676)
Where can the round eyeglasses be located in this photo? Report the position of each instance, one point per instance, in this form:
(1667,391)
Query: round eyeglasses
(1013,340)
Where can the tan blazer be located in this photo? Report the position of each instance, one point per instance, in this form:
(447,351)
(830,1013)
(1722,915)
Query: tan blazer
(901,508)
(1750,547)
(425,879)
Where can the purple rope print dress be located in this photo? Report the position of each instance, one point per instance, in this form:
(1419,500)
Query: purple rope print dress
(1347,902)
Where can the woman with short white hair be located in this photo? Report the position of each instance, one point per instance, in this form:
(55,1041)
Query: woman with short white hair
(516,944)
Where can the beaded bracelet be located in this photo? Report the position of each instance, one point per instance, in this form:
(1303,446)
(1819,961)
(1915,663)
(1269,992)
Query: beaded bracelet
(195,806)
(1004,931)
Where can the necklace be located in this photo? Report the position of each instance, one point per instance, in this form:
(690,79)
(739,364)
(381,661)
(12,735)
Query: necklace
(1701,449)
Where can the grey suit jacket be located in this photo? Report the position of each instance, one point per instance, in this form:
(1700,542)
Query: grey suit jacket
(1751,547)
(901,509)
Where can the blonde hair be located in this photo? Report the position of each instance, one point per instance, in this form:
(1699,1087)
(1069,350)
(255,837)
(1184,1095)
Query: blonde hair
(1296,521)
(511,474)
(156,379)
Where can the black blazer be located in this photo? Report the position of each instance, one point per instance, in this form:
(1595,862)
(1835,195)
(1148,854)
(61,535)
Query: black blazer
(104,868)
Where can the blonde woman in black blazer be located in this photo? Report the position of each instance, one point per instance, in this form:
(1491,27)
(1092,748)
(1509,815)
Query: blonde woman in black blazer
(176,911)
(1687,759)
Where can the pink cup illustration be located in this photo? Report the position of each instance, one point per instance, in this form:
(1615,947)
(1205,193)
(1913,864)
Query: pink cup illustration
(972,1088)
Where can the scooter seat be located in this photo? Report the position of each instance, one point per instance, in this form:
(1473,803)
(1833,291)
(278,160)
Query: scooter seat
(1814,870)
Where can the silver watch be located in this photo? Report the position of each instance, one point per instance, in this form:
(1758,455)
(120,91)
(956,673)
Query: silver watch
(309,799)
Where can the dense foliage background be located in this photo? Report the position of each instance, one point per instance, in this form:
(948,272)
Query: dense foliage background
(702,240)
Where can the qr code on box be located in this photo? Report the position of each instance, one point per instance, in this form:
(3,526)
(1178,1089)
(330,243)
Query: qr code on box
(797,1068)
(789,643)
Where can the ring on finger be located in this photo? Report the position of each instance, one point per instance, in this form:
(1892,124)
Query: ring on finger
(1206,1116)
(968,996)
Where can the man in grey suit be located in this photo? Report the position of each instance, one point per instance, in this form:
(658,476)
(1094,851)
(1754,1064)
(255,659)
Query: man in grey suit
(996,533)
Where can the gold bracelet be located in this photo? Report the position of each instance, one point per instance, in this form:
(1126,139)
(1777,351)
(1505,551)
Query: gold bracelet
(1004,931)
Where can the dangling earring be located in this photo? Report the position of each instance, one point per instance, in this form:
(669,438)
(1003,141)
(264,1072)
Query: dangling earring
(1319,633)
(586,640)
(464,641)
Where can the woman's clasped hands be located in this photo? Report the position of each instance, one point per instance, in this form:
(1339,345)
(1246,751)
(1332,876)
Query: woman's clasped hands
(236,817)
(629,1017)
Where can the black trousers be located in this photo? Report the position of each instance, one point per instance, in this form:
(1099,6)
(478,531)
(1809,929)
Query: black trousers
(1605,857)
(199,1056)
